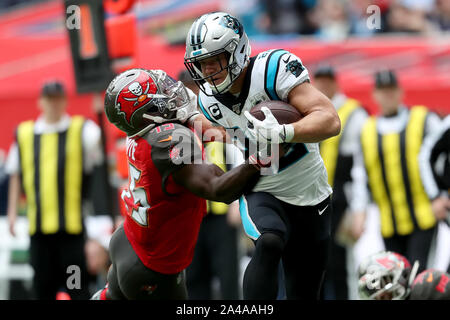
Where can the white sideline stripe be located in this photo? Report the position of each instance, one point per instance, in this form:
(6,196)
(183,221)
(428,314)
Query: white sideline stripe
(33,62)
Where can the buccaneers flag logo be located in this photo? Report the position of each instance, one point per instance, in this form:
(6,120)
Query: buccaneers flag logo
(135,95)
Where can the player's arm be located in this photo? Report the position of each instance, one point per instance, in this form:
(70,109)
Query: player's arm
(209,132)
(210,182)
(12,169)
(291,84)
(320,120)
(177,151)
(13,201)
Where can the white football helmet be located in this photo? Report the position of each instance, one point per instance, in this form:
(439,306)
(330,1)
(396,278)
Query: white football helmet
(386,275)
(213,34)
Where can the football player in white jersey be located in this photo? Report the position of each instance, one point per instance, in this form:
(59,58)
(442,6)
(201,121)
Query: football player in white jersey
(287,214)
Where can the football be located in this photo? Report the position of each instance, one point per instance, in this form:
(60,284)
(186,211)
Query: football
(282,111)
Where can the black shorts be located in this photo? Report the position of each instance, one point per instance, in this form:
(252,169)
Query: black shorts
(261,212)
(128,278)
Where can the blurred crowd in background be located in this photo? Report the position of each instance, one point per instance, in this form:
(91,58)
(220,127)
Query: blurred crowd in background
(339,19)
(330,19)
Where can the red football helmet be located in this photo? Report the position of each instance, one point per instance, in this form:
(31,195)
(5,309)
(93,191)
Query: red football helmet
(137,99)
(386,275)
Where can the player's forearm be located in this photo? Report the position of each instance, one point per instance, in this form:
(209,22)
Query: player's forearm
(13,195)
(320,120)
(232,184)
(316,126)
(208,132)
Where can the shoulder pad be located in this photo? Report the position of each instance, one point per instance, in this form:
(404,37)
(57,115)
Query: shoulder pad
(164,133)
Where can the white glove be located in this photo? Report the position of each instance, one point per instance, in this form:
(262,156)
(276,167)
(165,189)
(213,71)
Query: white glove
(189,108)
(269,130)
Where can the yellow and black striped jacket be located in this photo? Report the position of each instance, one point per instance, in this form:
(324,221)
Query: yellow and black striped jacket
(52,177)
(392,166)
(329,148)
(215,153)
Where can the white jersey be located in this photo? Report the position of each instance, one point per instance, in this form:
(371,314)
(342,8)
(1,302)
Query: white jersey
(271,75)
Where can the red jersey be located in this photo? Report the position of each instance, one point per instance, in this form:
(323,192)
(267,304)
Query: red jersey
(163,218)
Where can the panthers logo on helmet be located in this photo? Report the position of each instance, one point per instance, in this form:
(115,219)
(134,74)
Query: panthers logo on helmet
(232,23)
(135,95)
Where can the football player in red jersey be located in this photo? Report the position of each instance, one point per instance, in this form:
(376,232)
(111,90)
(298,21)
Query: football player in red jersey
(167,183)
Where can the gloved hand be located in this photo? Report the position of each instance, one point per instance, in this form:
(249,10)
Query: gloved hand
(189,109)
(262,157)
(268,130)
(266,158)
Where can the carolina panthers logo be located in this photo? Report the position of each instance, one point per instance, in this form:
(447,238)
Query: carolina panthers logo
(295,67)
(135,95)
(232,23)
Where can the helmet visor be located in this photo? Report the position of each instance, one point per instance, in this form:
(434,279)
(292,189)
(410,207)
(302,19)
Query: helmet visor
(177,96)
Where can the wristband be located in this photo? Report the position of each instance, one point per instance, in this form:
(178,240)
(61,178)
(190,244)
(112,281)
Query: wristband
(288,133)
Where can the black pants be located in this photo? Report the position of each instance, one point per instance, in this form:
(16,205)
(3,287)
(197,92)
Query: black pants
(335,284)
(129,278)
(51,257)
(415,246)
(298,235)
(215,255)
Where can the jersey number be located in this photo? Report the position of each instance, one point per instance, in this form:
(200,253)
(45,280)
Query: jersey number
(165,127)
(135,199)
